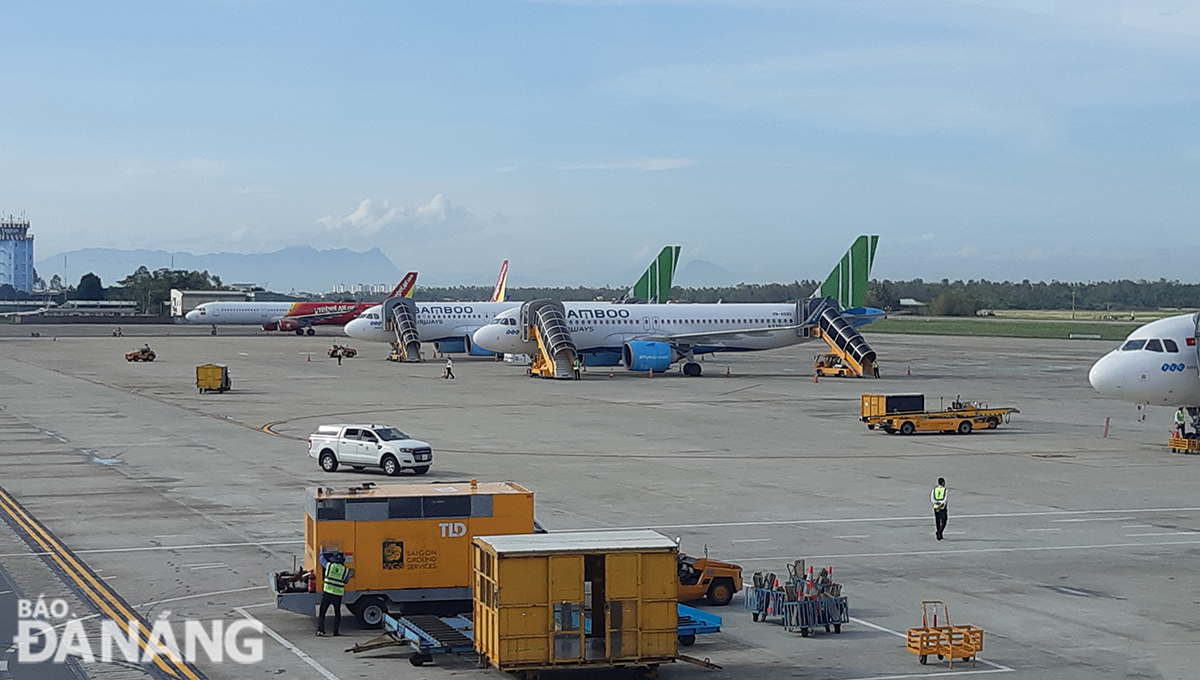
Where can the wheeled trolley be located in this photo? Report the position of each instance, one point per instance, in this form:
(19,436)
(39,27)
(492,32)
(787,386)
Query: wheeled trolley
(807,615)
(937,637)
(1184,445)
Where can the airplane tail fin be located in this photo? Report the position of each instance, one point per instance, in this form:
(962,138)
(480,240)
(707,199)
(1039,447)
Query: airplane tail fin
(847,283)
(501,284)
(655,284)
(406,286)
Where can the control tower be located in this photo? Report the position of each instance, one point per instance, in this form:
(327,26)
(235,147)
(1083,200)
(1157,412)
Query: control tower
(16,253)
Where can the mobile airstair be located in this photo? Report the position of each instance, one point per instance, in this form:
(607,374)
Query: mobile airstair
(850,352)
(545,321)
(400,317)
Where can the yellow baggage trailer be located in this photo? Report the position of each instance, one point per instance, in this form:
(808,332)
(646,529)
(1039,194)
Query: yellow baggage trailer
(576,599)
(212,378)
(906,414)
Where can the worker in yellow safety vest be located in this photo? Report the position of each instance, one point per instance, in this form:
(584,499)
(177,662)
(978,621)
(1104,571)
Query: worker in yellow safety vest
(334,575)
(938,496)
(1180,424)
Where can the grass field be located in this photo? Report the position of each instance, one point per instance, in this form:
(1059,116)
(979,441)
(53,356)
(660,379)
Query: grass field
(1000,327)
(1140,316)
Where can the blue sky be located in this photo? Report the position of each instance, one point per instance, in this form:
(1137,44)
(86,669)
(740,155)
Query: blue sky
(1023,139)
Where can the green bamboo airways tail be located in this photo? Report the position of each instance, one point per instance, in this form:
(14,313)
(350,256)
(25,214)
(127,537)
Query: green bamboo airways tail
(655,284)
(847,283)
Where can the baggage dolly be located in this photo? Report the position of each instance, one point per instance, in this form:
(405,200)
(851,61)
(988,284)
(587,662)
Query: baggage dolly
(946,641)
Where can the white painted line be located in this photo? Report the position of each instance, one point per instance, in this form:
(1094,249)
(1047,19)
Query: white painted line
(995,667)
(1071,591)
(3,665)
(1168,533)
(1046,529)
(1136,526)
(954,533)
(1094,519)
(213,594)
(5,592)
(289,646)
(210,566)
(962,551)
(922,518)
(856,536)
(204,564)
(751,540)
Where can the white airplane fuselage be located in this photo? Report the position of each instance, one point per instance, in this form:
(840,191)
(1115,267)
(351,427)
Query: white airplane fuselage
(607,327)
(436,321)
(1157,364)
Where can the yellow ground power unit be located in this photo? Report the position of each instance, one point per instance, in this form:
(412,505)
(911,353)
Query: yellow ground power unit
(408,545)
(598,598)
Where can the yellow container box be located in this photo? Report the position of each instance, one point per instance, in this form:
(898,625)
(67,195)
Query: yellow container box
(212,377)
(411,542)
(602,598)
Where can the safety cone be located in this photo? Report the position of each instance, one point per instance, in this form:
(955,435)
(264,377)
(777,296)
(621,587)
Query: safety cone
(309,357)
(652,373)
(908,371)
(610,373)
(815,378)
(726,371)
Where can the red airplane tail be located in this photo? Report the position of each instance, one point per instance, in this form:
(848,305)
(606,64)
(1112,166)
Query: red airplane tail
(405,287)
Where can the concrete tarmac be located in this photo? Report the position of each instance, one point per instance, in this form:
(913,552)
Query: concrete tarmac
(1074,552)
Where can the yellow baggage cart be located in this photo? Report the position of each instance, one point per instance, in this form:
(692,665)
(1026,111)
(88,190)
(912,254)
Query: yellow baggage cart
(212,378)
(937,637)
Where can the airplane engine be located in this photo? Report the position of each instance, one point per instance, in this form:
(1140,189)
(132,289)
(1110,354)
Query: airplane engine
(273,326)
(475,350)
(286,325)
(647,356)
(452,346)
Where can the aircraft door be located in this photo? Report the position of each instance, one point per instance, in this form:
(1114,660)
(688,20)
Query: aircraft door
(215,311)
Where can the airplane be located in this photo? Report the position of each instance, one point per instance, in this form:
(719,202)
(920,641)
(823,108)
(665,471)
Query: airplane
(289,316)
(1158,365)
(450,326)
(654,336)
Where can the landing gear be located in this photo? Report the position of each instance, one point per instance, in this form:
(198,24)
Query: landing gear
(299,331)
(691,368)
(214,329)
(310,332)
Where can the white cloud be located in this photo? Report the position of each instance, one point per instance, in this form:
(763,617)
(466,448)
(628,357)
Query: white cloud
(373,217)
(642,164)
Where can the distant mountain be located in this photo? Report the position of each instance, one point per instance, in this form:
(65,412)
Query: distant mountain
(298,268)
(704,274)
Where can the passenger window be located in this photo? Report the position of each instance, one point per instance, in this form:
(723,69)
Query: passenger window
(1171,346)
(1153,346)
(1133,345)
(351,433)
(368,436)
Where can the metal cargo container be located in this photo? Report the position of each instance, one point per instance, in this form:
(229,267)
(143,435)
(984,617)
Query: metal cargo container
(575,599)
(212,377)
(884,404)
(404,543)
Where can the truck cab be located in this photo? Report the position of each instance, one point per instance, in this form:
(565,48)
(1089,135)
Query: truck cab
(709,579)
(373,445)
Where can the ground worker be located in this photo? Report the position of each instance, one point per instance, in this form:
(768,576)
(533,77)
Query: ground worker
(1180,423)
(334,576)
(575,367)
(875,367)
(146,347)
(337,352)
(449,374)
(938,496)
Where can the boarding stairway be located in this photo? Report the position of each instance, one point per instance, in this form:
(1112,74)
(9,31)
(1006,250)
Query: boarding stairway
(821,319)
(545,322)
(400,317)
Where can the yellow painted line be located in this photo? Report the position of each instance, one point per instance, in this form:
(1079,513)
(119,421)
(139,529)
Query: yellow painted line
(95,590)
(267,428)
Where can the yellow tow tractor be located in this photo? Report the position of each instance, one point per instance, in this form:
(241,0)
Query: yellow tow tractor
(906,414)
(702,578)
(832,365)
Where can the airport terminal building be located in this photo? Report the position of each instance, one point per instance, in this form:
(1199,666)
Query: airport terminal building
(16,253)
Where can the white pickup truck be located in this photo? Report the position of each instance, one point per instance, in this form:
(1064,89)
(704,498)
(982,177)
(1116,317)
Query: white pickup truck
(361,446)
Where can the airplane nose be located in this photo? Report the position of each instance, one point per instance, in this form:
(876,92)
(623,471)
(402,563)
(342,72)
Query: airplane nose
(192,316)
(1105,375)
(486,337)
(354,328)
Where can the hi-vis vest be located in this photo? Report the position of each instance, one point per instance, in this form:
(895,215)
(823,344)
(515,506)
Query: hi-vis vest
(335,579)
(1179,419)
(939,497)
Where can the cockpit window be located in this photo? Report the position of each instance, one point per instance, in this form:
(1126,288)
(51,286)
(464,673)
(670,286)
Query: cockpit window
(1171,346)
(1154,346)
(1133,345)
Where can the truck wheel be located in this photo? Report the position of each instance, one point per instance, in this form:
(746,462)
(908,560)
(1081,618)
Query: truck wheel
(964,427)
(687,640)
(993,422)
(369,611)
(329,462)
(421,469)
(720,592)
(419,659)
(924,659)
(391,468)
(907,427)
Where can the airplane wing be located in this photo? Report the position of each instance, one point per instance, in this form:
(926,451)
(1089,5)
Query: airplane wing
(501,284)
(714,337)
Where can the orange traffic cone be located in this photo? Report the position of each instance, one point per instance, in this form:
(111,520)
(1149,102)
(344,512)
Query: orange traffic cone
(815,378)
(309,358)
(610,374)
(726,371)
(652,373)
(908,371)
